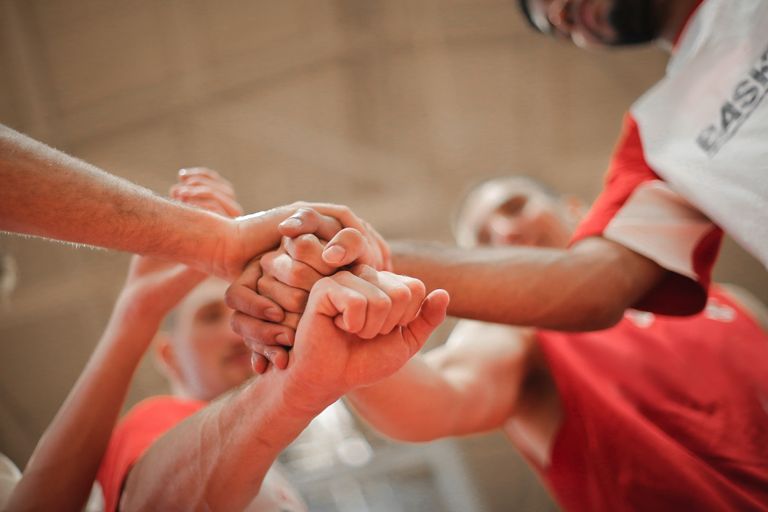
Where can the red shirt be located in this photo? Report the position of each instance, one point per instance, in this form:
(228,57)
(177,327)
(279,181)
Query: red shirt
(152,418)
(135,433)
(662,413)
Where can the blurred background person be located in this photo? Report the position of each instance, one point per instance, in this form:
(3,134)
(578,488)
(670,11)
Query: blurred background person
(656,413)
(519,210)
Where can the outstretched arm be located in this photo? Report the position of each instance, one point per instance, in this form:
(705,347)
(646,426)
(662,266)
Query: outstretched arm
(50,194)
(586,287)
(62,469)
(217,458)
(472,383)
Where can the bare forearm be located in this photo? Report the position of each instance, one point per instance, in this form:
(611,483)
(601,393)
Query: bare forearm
(470,384)
(67,457)
(583,288)
(50,194)
(415,404)
(217,459)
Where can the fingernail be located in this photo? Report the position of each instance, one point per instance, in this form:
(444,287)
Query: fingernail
(273,314)
(291,222)
(282,339)
(334,254)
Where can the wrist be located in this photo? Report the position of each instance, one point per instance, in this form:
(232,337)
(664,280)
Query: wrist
(222,252)
(305,397)
(248,237)
(273,395)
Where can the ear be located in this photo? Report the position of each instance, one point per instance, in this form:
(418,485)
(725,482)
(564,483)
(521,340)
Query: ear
(165,357)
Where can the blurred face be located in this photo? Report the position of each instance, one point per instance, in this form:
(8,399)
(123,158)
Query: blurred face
(208,357)
(596,23)
(528,217)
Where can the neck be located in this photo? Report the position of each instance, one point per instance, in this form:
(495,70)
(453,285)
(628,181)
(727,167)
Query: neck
(675,14)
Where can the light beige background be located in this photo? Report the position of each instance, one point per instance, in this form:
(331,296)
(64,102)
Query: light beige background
(391,106)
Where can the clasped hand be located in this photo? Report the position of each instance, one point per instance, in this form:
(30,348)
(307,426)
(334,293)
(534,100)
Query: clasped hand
(349,324)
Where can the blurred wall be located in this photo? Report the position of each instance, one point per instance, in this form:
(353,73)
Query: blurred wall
(391,106)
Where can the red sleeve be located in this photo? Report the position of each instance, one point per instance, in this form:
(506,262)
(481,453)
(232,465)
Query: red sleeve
(136,432)
(626,171)
(638,210)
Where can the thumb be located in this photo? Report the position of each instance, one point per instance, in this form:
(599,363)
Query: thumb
(432,313)
(347,246)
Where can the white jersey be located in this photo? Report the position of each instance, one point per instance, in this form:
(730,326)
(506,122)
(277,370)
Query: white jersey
(693,157)
(704,127)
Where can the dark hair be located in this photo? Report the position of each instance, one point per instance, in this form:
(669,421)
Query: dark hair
(523,4)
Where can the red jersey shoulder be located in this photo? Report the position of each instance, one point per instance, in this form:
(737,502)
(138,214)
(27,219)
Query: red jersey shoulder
(626,171)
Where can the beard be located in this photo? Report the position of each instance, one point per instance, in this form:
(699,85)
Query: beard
(635,22)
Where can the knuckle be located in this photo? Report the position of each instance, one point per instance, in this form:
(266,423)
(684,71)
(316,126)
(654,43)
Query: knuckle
(366,271)
(268,261)
(358,302)
(305,246)
(324,284)
(344,274)
(380,302)
(401,294)
(416,287)
(231,297)
(307,239)
(297,301)
(294,276)
(305,273)
(263,286)
(306,211)
(301,251)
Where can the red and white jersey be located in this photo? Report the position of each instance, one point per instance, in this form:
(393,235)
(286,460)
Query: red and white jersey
(694,156)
